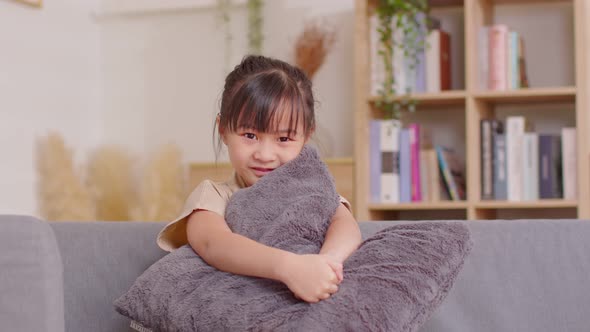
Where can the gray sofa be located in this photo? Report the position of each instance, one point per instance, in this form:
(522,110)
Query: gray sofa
(525,275)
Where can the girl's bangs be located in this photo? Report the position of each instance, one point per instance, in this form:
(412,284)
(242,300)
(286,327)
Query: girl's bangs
(265,112)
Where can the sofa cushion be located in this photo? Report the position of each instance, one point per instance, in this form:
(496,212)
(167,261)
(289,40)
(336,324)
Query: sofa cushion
(31,284)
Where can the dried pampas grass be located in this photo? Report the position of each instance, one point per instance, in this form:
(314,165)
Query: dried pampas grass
(312,46)
(162,193)
(110,180)
(62,195)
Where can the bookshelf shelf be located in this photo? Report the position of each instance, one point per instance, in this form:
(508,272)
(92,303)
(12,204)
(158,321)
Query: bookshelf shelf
(556,55)
(534,95)
(452,97)
(420,206)
(539,204)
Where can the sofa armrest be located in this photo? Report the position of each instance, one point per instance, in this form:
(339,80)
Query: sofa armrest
(31,280)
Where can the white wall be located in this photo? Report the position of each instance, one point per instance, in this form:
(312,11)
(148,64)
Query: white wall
(164,73)
(48,81)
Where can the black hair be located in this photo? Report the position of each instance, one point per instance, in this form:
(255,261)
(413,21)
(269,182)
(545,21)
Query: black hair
(259,91)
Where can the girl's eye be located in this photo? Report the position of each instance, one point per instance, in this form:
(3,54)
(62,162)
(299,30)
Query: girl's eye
(284,139)
(250,135)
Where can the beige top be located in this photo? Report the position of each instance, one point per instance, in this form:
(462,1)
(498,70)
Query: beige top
(210,196)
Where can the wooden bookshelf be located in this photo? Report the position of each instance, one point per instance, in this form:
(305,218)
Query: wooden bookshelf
(470,104)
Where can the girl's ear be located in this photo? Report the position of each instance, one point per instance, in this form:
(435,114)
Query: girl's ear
(311,132)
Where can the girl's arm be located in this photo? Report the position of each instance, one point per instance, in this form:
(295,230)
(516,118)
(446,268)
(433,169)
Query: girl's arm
(343,236)
(310,277)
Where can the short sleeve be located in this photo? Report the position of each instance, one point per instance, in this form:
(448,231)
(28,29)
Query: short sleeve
(346,203)
(206,196)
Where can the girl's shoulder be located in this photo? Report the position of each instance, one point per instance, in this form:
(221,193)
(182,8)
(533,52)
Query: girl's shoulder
(208,195)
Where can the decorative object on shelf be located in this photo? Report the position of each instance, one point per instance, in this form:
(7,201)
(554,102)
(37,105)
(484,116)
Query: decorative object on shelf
(313,45)
(110,181)
(310,51)
(404,16)
(255,24)
(61,194)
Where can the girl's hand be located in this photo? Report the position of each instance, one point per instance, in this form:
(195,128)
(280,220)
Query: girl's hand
(336,266)
(310,277)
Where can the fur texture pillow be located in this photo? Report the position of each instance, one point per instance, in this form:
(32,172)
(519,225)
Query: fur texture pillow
(393,282)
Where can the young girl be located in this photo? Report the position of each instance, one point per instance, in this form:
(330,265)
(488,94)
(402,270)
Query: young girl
(266,118)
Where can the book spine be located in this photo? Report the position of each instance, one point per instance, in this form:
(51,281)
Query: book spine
(487,191)
(399,60)
(483,45)
(445,60)
(556,171)
(446,173)
(376,64)
(386,150)
(375,160)
(514,71)
(420,71)
(569,159)
(415,158)
(514,155)
(405,167)
(500,178)
(497,57)
(530,169)
(433,62)
(424,176)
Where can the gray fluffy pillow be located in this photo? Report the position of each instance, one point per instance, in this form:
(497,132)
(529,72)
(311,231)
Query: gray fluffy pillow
(393,282)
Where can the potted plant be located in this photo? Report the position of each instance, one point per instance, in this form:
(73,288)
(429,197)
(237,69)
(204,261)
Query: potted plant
(405,18)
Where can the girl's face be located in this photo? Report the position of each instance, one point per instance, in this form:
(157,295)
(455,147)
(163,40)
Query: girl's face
(254,154)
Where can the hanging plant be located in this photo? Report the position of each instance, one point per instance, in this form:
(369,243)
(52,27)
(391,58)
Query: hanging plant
(405,16)
(255,36)
(223,10)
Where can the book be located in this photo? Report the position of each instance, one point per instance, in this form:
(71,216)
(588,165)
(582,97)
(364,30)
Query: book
(569,160)
(498,57)
(530,168)
(438,61)
(405,167)
(500,178)
(487,181)
(515,128)
(389,142)
(550,176)
(415,134)
(483,56)
(523,78)
(375,160)
(377,68)
(452,172)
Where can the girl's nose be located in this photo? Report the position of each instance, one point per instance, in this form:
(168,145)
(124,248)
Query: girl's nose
(265,153)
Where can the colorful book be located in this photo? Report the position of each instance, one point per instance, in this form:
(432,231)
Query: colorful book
(500,178)
(415,134)
(498,57)
(405,167)
(452,171)
(375,160)
(486,167)
(389,142)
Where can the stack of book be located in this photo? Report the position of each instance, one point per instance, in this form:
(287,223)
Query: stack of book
(428,71)
(518,164)
(501,59)
(405,167)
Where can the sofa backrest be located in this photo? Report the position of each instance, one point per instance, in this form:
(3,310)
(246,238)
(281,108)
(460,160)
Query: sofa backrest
(101,261)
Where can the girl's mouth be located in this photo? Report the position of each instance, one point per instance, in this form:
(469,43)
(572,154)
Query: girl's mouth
(261,171)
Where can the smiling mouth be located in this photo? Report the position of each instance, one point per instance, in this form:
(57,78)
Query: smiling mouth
(261,171)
